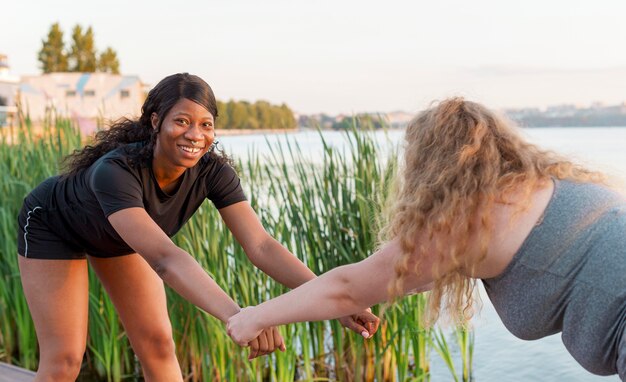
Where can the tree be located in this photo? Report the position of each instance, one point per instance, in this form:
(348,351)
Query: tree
(223,120)
(52,55)
(108,62)
(253,120)
(287,120)
(239,115)
(259,115)
(82,56)
(264,114)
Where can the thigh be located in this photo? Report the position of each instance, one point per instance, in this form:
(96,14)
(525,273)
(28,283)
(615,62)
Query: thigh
(138,295)
(57,292)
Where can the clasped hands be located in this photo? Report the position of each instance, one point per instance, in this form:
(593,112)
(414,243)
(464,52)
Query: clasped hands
(244,329)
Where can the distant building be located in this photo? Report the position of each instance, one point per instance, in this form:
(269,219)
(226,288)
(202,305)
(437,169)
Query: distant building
(8,89)
(85,97)
(399,119)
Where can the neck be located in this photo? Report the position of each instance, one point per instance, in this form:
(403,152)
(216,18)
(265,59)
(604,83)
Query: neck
(166,176)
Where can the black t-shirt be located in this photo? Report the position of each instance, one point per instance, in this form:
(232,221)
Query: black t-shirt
(79,205)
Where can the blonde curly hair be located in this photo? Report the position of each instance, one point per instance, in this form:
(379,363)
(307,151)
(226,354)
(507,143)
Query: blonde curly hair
(460,159)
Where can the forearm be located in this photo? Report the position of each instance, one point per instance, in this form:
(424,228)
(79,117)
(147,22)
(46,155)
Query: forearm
(183,274)
(344,290)
(334,294)
(280,264)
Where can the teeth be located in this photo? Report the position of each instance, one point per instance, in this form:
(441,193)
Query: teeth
(192,150)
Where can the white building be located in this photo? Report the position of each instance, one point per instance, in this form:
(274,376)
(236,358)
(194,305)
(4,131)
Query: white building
(85,97)
(8,89)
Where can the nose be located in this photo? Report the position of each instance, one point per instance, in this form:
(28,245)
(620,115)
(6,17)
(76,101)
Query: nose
(194,133)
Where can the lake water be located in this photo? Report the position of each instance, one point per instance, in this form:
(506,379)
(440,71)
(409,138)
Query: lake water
(498,355)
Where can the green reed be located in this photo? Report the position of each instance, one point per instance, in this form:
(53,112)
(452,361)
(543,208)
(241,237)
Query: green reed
(324,212)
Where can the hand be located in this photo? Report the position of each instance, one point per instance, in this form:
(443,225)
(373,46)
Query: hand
(364,323)
(243,330)
(242,327)
(266,343)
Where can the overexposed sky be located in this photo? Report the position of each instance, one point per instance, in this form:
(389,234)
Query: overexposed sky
(351,56)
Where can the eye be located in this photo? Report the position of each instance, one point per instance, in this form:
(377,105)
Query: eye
(182,121)
(207,125)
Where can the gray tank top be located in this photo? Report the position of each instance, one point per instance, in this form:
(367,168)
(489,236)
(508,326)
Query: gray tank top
(570,276)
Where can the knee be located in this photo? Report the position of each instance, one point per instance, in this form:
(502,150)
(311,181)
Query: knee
(63,366)
(157,344)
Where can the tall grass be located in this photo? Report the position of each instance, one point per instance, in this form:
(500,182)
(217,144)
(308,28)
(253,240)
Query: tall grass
(325,213)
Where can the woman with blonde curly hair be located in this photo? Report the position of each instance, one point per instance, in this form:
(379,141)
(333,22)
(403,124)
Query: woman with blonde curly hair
(474,200)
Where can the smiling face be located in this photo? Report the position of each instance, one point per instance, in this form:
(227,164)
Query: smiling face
(187,132)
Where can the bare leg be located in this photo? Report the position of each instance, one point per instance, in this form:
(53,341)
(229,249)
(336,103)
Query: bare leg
(57,292)
(139,298)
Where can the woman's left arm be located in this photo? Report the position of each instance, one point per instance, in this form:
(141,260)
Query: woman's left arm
(267,254)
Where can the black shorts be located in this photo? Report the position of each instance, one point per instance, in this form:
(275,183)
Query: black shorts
(35,239)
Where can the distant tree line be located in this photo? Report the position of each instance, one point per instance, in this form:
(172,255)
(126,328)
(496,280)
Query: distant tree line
(570,116)
(253,116)
(81,56)
(361,121)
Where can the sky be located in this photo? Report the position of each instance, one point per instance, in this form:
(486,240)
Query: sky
(351,56)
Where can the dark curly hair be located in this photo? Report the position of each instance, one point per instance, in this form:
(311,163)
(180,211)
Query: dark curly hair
(160,100)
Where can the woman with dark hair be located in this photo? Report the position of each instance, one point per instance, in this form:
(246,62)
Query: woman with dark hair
(117,206)
(475,200)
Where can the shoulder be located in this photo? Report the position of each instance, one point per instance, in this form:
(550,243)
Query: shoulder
(590,189)
(126,151)
(124,156)
(116,167)
(512,220)
(222,183)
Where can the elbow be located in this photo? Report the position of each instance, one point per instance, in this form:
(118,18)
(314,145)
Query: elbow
(160,268)
(161,262)
(256,252)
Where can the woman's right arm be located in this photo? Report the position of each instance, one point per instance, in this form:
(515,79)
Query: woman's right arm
(175,266)
(339,292)
(183,273)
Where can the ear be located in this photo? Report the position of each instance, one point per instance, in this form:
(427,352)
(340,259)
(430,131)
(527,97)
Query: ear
(154,120)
